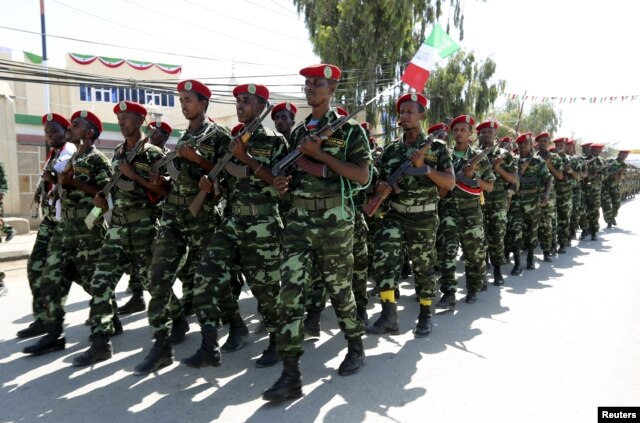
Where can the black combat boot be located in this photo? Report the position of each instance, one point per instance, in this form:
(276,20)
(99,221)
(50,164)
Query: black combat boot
(269,356)
(583,235)
(484,285)
(238,333)
(179,329)
(135,304)
(447,302)
(387,322)
(35,329)
(208,354)
(613,220)
(507,255)
(546,257)
(362,315)
(161,355)
(530,260)
(472,296)
(498,279)
(593,236)
(288,385)
(609,225)
(117,326)
(312,324)
(561,250)
(423,328)
(354,360)
(99,350)
(52,341)
(517,268)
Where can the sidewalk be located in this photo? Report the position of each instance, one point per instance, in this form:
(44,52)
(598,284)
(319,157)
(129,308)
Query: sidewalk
(18,248)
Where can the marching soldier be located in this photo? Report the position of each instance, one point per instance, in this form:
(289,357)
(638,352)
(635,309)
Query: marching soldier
(576,162)
(611,187)
(412,219)
(197,150)
(596,172)
(72,243)
(319,230)
(548,210)
(284,118)
(564,195)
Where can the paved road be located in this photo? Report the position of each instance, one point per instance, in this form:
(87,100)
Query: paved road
(551,346)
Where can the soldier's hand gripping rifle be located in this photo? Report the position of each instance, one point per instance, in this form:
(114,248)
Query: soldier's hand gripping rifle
(105,192)
(244,137)
(406,168)
(167,159)
(468,184)
(40,193)
(59,191)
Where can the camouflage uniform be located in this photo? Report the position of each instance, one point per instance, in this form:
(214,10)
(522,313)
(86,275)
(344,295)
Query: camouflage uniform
(72,243)
(548,212)
(319,233)
(611,191)
(525,207)
(248,238)
(179,228)
(128,241)
(593,186)
(4,188)
(577,164)
(464,209)
(564,201)
(411,221)
(495,208)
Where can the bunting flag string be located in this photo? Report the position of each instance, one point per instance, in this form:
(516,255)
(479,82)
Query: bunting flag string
(112,62)
(572,100)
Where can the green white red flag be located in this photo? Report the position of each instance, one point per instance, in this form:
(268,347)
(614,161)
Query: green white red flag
(435,47)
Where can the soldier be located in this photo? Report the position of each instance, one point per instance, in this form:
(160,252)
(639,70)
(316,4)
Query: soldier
(72,243)
(564,195)
(248,237)
(284,118)
(197,148)
(611,187)
(495,205)
(319,230)
(127,243)
(465,221)
(548,211)
(576,163)
(4,188)
(596,172)
(412,219)
(55,130)
(525,207)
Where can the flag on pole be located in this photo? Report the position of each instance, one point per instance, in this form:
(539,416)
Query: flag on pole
(436,47)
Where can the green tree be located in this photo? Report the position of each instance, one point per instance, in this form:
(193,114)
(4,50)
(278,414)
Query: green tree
(540,117)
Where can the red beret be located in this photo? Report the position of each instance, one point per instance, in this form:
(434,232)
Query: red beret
(505,139)
(89,117)
(437,127)
(54,117)
(416,97)
(523,137)
(194,86)
(322,70)
(488,124)
(161,125)
(552,148)
(284,106)
(254,89)
(366,126)
(586,144)
(570,142)
(342,112)
(131,107)
(236,129)
(462,119)
(597,146)
(624,151)
(559,140)
(542,135)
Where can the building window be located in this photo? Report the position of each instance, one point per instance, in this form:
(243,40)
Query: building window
(116,94)
(85,93)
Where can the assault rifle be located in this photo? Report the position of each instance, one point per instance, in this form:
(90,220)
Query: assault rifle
(36,209)
(96,212)
(470,185)
(406,168)
(244,137)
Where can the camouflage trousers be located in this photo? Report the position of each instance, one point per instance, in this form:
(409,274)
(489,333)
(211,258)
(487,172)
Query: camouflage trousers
(35,266)
(616,198)
(415,233)
(577,208)
(373,224)
(322,239)
(564,207)
(125,247)
(317,296)
(495,228)
(545,228)
(137,283)
(463,226)
(177,230)
(610,201)
(592,197)
(250,244)
(71,246)
(525,218)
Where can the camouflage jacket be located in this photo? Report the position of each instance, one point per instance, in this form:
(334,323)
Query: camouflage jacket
(508,164)
(92,167)
(482,171)
(535,176)
(4,188)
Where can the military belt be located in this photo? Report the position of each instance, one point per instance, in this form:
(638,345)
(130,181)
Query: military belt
(180,200)
(313,204)
(468,204)
(401,208)
(529,191)
(75,213)
(132,217)
(562,188)
(252,210)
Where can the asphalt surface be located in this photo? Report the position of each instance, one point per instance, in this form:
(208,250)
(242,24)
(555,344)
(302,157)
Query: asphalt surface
(550,346)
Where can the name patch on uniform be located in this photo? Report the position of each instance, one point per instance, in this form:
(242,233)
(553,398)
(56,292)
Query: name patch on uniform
(430,157)
(81,170)
(336,142)
(260,152)
(206,148)
(142,166)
